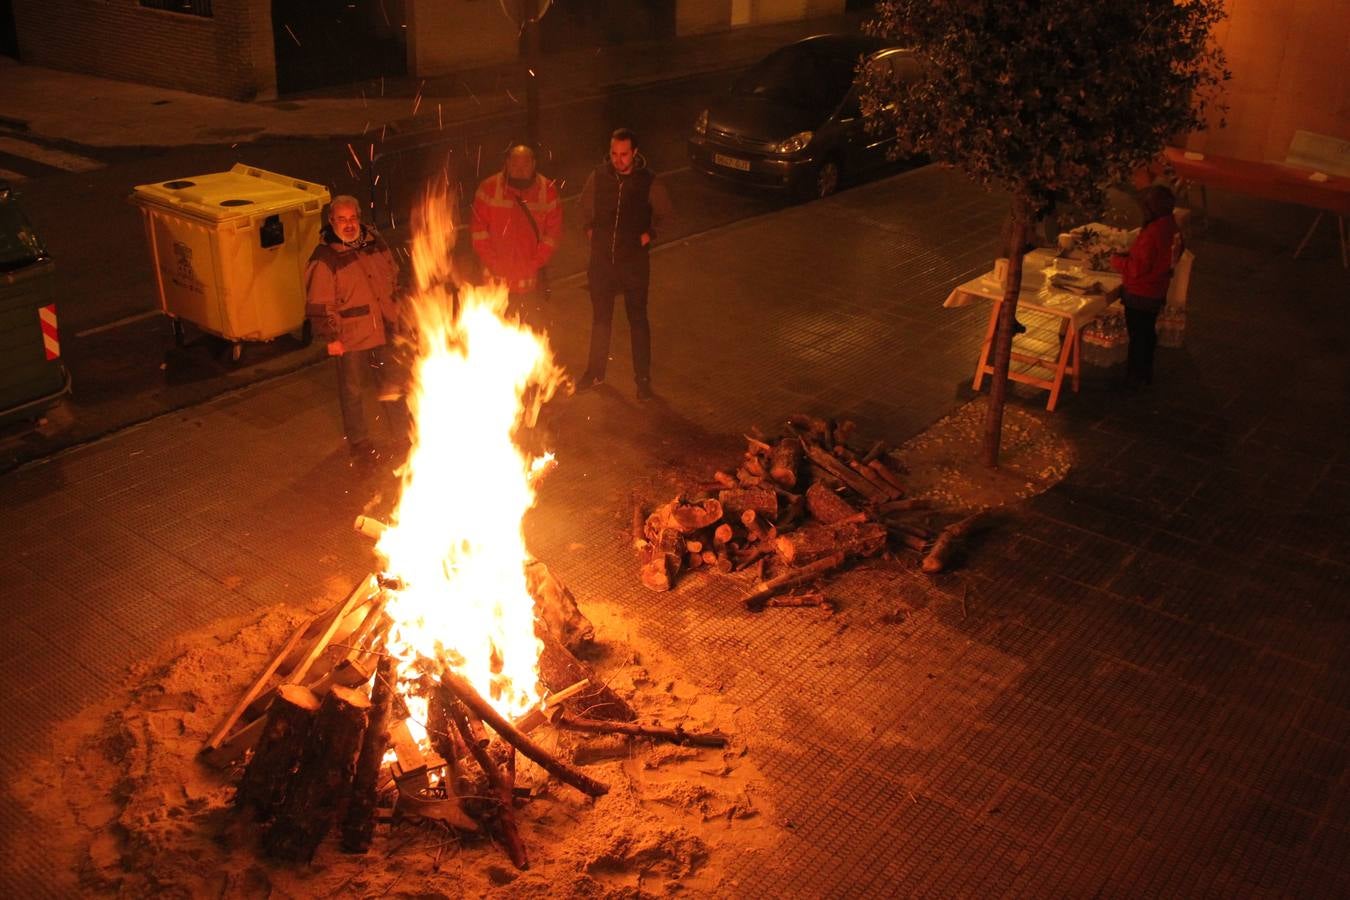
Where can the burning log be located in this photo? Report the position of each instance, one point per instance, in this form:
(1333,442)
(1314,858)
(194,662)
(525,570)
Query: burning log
(559,670)
(757,598)
(502,786)
(948,540)
(321,778)
(358,826)
(288,723)
(676,735)
(784,462)
(556,606)
(464,692)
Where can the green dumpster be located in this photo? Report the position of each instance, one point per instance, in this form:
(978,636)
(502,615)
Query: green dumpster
(32,377)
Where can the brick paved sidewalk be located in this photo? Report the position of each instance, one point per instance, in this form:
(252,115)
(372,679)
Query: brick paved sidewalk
(1140,693)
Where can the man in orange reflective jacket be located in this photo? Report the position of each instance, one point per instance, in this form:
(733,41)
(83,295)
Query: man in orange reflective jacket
(517,224)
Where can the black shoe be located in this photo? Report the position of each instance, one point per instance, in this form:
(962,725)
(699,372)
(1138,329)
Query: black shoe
(644,391)
(588,381)
(1018,327)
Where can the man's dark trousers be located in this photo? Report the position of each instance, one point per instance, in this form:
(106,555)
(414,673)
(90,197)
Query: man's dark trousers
(631,278)
(356,370)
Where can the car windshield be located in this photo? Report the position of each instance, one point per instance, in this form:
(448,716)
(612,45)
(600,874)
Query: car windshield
(19,245)
(798,77)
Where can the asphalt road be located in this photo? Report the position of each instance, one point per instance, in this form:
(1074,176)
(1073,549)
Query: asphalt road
(119,348)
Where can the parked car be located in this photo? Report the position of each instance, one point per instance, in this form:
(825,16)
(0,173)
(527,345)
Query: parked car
(792,122)
(32,375)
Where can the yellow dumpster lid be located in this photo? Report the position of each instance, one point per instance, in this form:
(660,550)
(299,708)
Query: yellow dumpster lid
(242,191)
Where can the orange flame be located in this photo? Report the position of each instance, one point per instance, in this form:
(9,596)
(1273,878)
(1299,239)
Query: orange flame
(455,540)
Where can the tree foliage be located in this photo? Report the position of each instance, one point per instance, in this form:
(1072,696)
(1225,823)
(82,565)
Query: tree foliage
(1048,99)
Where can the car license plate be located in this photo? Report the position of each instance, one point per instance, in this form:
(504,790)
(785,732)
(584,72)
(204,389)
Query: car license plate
(732,162)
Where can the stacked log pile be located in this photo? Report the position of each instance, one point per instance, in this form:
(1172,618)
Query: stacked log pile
(799,506)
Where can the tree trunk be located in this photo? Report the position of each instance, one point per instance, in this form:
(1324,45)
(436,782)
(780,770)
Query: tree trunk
(358,825)
(1007,314)
(322,777)
(287,726)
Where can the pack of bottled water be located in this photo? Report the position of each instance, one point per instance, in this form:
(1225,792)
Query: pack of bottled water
(1105,341)
(1172,326)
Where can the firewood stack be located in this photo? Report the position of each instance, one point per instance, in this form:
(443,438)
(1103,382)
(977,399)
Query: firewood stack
(321,718)
(798,507)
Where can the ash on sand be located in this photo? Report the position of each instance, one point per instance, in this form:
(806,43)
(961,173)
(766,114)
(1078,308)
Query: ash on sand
(123,807)
(946,466)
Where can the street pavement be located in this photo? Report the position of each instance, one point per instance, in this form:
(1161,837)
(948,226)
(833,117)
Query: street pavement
(1134,687)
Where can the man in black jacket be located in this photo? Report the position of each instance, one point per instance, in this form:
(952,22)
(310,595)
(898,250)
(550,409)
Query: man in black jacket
(624,207)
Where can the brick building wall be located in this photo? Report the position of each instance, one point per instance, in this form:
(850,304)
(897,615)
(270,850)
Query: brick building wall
(226,55)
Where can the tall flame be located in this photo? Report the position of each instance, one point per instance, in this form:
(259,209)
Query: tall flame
(455,540)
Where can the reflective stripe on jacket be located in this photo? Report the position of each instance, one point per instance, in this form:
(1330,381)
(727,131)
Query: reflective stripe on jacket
(349,291)
(503,237)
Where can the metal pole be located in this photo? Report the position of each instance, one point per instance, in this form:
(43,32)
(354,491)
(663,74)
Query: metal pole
(529,39)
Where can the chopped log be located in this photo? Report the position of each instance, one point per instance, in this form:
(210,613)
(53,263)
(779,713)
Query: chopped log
(877,449)
(709,558)
(756,599)
(761,500)
(747,479)
(464,692)
(843,431)
(497,780)
(828,507)
(693,548)
(321,778)
(885,490)
(840,472)
(676,735)
(909,505)
(287,725)
(886,475)
(721,535)
(689,517)
(809,599)
(814,541)
(559,669)
(750,555)
(922,534)
(914,543)
(815,428)
(662,561)
(785,461)
(757,527)
(556,606)
(948,540)
(358,825)
(724,479)
(756,447)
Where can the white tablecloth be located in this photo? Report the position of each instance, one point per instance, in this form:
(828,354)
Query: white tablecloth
(1037,293)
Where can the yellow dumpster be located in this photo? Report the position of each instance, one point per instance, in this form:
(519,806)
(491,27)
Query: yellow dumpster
(229,250)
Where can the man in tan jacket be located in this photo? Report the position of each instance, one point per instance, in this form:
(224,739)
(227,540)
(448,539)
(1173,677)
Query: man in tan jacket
(350,286)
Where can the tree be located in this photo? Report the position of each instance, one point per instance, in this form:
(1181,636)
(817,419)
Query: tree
(1052,100)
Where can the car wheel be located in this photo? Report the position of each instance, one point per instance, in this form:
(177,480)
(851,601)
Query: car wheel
(823,181)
